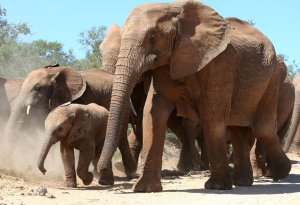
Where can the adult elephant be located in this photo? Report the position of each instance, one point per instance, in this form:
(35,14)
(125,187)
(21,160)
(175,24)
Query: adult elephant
(294,130)
(47,88)
(286,98)
(200,63)
(189,156)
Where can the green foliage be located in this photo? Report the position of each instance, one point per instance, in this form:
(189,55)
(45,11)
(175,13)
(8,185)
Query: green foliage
(292,69)
(90,41)
(18,58)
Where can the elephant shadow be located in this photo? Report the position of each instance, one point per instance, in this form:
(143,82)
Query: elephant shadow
(291,184)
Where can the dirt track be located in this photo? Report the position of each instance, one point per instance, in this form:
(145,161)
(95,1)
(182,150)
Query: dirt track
(16,189)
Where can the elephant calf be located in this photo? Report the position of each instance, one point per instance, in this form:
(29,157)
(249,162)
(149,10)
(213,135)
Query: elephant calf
(76,126)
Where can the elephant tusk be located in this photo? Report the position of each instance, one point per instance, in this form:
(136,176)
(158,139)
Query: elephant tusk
(28,109)
(132,108)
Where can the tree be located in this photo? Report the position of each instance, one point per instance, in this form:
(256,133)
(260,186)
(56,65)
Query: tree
(9,31)
(90,41)
(292,68)
(18,58)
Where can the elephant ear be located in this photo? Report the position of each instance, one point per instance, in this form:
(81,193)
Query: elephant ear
(110,47)
(202,35)
(68,86)
(80,126)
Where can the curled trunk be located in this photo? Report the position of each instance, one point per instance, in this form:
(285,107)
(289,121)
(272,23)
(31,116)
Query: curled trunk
(44,152)
(294,123)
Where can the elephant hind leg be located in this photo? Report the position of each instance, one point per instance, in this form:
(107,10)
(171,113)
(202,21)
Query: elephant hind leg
(243,175)
(265,130)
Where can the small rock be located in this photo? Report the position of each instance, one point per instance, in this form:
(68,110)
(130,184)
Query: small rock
(50,196)
(65,192)
(39,191)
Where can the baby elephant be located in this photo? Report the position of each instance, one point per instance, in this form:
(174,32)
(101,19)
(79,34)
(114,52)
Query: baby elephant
(76,126)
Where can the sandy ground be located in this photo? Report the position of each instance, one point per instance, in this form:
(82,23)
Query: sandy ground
(189,189)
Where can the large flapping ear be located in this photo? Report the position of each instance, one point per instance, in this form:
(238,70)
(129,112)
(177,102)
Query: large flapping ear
(80,126)
(68,86)
(202,35)
(110,47)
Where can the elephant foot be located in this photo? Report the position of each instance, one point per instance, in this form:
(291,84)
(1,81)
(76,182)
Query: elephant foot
(243,180)
(219,183)
(70,183)
(87,180)
(281,169)
(144,184)
(106,177)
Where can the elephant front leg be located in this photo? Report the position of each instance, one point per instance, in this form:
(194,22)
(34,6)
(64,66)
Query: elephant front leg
(215,139)
(68,159)
(156,113)
(85,158)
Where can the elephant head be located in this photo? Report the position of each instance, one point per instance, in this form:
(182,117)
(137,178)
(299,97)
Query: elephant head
(110,48)
(45,89)
(184,35)
(70,123)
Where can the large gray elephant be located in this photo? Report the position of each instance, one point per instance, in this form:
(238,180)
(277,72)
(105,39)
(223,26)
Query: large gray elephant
(294,130)
(46,88)
(189,156)
(80,127)
(200,63)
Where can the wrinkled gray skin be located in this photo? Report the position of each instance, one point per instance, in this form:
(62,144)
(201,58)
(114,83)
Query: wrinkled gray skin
(186,132)
(294,130)
(221,68)
(46,88)
(80,127)
(260,163)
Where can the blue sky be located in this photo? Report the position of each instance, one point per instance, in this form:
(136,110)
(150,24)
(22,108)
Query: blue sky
(63,20)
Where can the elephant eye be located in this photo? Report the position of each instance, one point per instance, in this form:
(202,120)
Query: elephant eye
(37,88)
(152,36)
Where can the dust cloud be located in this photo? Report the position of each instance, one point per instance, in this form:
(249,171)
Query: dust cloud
(19,152)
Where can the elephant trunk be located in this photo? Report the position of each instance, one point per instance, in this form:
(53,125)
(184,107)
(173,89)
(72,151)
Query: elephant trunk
(50,140)
(294,123)
(126,76)
(17,114)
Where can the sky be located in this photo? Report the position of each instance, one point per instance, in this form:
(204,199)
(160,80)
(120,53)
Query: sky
(63,20)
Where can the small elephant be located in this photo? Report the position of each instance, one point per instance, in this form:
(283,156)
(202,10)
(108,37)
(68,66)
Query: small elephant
(80,127)
(46,88)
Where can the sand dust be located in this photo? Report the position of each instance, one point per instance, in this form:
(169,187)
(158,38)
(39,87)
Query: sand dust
(16,188)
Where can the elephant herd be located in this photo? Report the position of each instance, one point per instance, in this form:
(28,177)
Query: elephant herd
(180,65)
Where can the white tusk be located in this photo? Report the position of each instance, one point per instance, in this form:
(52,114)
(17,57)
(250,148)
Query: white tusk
(132,108)
(28,109)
